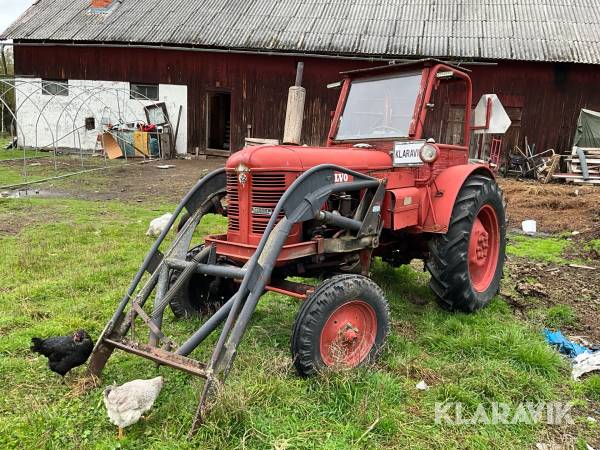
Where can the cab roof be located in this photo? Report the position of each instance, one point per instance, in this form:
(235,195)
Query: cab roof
(401,67)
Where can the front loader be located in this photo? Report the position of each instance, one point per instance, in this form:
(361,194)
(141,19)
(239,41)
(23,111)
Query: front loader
(384,186)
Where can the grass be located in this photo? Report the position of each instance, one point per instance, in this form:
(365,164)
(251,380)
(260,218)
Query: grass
(13,173)
(18,153)
(42,165)
(560,316)
(70,271)
(592,387)
(548,249)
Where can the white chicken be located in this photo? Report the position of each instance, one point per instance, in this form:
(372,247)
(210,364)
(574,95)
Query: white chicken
(158,225)
(127,403)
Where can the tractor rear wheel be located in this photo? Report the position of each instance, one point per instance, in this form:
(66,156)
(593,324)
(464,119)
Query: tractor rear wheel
(466,263)
(201,295)
(343,324)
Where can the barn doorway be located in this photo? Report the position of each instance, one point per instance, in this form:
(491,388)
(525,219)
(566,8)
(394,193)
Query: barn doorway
(218,126)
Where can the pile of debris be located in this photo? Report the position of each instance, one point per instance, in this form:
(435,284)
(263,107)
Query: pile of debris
(583,165)
(529,164)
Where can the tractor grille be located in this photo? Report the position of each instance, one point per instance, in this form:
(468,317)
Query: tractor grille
(233,202)
(267,189)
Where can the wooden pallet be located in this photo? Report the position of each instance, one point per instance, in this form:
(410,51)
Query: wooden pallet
(576,179)
(575,172)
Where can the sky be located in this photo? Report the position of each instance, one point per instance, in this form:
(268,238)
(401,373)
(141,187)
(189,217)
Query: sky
(10,10)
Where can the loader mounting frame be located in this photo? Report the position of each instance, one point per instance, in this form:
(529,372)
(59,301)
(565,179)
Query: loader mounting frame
(302,201)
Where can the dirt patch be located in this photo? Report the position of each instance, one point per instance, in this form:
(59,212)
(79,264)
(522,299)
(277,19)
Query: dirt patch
(138,182)
(144,182)
(581,248)
(534,286)
(555,207)
(12,224)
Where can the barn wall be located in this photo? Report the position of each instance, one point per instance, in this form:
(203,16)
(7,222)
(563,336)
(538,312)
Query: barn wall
(543,98)
(548,97)
(258,84)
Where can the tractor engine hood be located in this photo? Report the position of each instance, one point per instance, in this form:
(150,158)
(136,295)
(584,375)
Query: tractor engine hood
(298,159)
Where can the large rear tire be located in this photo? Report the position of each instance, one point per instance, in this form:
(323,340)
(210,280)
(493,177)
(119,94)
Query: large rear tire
(343,324)
(466,263)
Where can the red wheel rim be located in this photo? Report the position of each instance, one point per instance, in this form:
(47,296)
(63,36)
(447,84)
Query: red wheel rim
(484,246)
(349,334)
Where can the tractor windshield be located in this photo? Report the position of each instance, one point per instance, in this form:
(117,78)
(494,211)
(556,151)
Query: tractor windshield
(379,108)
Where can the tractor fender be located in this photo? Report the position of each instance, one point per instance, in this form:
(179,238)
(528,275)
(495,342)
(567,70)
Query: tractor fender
(444,191)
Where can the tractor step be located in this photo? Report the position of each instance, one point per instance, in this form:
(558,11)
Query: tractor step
(160,356)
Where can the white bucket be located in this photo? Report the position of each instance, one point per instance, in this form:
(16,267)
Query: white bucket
(529,226)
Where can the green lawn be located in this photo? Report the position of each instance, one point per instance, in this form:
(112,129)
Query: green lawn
(548,249)
(69,268)
(13,173)
(18,153)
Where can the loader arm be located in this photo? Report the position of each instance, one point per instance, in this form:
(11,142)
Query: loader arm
(301,202)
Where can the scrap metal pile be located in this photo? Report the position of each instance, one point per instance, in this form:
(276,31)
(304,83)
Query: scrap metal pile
(582,164)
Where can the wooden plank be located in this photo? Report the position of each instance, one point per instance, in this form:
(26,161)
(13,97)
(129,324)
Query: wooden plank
(111,146)
(553,168)
(582,181)
(214,152)
(590,149)
(258,141)
(589,160)
(571,176)
(594,167)
(577,163)
(579,266)
(578,170)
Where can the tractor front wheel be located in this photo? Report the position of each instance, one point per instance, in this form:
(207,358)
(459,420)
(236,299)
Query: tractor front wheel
(201,295)
(343,324)
(466,263)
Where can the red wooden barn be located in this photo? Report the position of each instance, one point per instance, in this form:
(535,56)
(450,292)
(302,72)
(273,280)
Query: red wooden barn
(237,58)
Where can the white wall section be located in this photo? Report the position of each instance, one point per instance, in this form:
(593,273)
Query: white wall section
(47,121)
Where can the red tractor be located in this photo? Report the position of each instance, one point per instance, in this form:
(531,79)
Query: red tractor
(384,186)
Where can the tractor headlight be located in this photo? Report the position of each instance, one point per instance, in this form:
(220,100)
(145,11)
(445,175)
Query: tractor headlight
(429,153)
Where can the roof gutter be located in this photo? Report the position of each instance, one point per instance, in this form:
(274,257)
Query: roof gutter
(379,58)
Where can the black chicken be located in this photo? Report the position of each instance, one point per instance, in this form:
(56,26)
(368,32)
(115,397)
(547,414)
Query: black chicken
(64,352)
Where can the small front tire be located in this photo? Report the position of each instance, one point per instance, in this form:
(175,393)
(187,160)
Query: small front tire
(344,323)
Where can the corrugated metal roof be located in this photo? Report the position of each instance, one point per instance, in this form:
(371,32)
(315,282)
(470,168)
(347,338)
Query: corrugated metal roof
(531,30)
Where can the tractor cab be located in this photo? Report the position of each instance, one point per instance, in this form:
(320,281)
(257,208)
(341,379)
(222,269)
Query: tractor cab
(401,102)
(400,108)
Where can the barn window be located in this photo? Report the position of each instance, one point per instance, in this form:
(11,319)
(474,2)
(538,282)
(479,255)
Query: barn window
(141,91)
(55,87)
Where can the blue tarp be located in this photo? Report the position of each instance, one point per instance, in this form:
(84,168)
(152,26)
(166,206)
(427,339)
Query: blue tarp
(563,345)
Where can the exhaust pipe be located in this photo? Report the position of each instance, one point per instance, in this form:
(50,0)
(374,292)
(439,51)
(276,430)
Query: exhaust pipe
(294,115)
